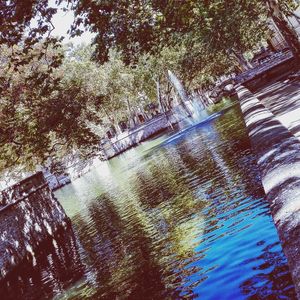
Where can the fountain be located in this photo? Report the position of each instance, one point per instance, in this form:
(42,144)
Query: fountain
(180,90)
(178,86)
(189,106)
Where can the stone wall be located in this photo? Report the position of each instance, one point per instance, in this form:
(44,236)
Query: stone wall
(58,266)
(268,73)
(159,123)
(278,158)
(29,214)
(56,182)
(135,136)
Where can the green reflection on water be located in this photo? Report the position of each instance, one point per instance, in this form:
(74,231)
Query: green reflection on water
(141,216)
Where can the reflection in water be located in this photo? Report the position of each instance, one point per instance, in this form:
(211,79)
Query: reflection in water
(183,220)
(57,266)
(273,276)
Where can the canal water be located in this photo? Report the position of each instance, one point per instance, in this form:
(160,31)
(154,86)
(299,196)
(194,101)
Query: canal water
(179,217)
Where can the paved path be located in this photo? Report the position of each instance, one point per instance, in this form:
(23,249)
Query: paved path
(283,100)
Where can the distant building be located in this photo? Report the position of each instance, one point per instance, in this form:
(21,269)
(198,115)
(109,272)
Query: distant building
(277,41)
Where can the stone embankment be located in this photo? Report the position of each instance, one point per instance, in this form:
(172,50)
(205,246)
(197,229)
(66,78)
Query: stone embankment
(281,65)
(29,215)
(125,141)
(56,182)
(162,122)
(278,158)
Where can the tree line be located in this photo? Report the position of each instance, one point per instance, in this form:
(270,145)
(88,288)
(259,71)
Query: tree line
(58,100)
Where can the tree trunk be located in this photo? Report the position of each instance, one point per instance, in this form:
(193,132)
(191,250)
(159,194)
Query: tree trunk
(118,129)
(158,95)
(131,115)
(270,45)
(106,113)
(241,59)
(112,121)
(168,96)
(161,104)
(202,97)
(207,101)
(142,112)
(285,29)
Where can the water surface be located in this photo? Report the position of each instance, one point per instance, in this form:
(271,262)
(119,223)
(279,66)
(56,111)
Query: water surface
(175,218)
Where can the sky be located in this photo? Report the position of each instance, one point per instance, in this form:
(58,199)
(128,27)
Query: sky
(62,22)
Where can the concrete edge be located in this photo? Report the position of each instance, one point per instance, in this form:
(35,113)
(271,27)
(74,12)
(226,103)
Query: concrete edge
(278,159)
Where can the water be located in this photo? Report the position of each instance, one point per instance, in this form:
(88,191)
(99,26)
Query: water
(179,217)
(181,92)
(190,106)
(178,86)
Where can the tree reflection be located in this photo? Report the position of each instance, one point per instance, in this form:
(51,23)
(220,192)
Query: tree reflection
(122,251)
(148,226)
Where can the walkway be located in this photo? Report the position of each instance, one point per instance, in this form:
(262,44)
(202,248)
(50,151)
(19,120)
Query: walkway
(283,100)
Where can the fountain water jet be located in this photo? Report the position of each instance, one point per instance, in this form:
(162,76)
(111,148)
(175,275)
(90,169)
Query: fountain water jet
(180,90)
(191,107)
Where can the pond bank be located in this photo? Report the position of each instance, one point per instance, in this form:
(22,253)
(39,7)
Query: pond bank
(278,158)
(131,138)
(160,123)
(29,215)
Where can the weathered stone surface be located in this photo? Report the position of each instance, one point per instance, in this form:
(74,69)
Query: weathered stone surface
(261,77)
(282,98)
(263,74)
(29,214)
(58,260)
(278,158)
(56,182)
(133,137)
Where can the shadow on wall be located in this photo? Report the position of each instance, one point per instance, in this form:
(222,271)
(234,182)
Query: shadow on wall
(57,259)
(278,155)
(288,100)
(29,215)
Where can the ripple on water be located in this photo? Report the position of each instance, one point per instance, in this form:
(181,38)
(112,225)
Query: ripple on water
(185,220)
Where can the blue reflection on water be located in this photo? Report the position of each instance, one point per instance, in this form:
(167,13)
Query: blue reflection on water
(180,217)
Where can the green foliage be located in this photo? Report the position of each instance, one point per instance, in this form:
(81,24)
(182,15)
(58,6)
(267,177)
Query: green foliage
(114,91)
(38,109)
(287,6)
(55,101)
(137,27)
(16,17)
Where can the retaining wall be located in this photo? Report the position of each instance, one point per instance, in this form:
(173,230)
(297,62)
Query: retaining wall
(273,72)
(278,158)
(58,264)
(29,214)
(133,137)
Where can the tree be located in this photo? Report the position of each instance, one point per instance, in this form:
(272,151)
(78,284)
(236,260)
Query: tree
(16,17)
(137,41)
(37,109)
(115,91)
(278,10)
(137,27)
